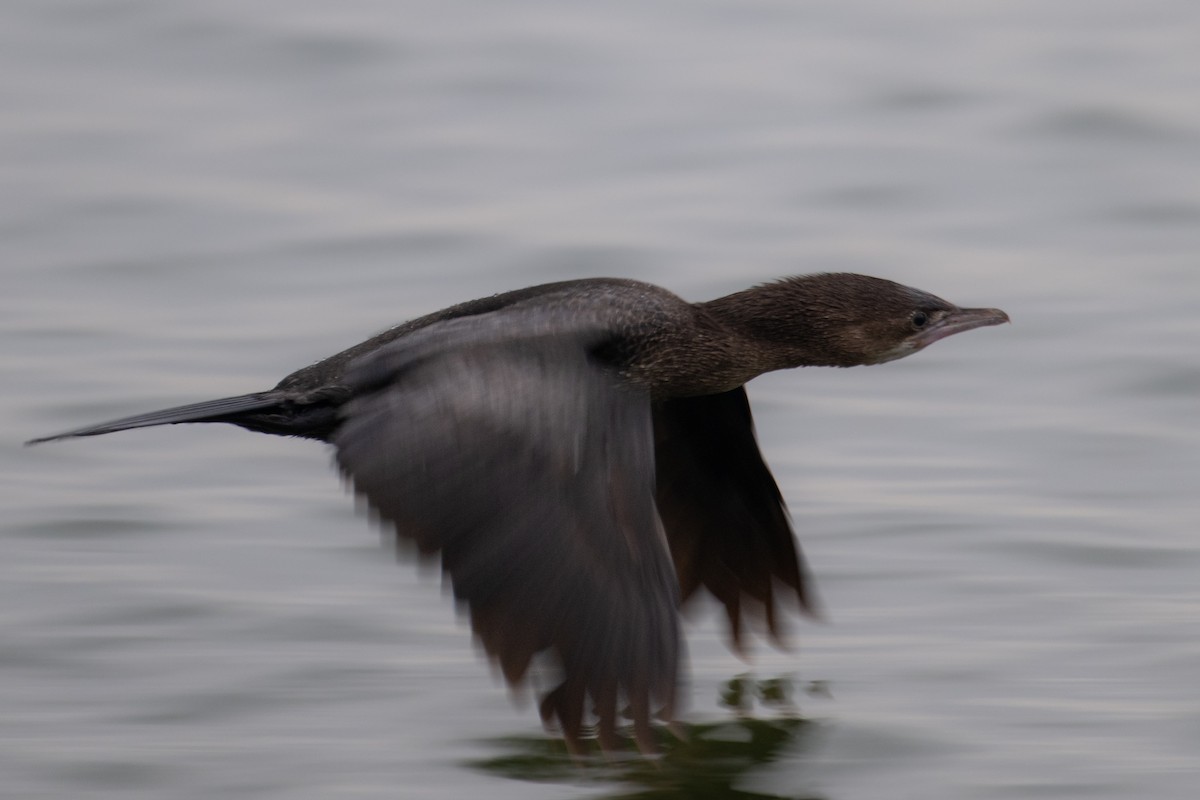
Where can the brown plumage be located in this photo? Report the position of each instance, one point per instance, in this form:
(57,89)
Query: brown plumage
(582,457)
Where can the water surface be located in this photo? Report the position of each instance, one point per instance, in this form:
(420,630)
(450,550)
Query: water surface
(200,198)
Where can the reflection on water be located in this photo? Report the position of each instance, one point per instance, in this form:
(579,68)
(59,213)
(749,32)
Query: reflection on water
(697,760)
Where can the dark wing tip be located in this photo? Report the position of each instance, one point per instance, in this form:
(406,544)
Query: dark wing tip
(725,517)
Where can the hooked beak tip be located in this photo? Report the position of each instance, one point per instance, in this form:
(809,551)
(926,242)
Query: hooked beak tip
(969,318)
(962,319)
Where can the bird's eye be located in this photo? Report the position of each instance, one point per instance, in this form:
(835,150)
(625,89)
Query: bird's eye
(919,318)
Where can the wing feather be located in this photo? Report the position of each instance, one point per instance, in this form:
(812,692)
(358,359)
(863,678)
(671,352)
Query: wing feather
(724,516)
(531,469)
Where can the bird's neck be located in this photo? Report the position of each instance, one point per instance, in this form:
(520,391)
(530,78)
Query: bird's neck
(772,330)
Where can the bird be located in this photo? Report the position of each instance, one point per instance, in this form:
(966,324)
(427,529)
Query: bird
(582,457)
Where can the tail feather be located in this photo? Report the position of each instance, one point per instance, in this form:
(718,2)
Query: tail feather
(224,409)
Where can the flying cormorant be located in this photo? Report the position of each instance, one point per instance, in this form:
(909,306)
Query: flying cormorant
(582,456)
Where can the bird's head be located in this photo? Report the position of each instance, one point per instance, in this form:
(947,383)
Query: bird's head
(846,320)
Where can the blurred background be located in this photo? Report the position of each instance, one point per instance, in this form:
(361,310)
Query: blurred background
(198,198)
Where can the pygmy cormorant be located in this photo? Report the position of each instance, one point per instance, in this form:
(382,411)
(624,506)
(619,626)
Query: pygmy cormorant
(582,456)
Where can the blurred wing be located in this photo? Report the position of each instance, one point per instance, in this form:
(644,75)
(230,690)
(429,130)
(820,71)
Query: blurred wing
(724,516)
(532,473)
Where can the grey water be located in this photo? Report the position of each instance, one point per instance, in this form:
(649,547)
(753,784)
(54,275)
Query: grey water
(198,198)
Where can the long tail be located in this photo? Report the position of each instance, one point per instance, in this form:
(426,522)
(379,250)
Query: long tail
(228,409)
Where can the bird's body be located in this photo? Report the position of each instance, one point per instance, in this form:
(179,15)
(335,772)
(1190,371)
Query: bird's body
(582,456)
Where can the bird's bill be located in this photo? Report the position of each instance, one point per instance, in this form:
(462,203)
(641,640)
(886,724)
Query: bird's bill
(959,320)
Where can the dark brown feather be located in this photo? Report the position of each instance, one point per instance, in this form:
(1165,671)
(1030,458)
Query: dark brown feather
(725,518)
